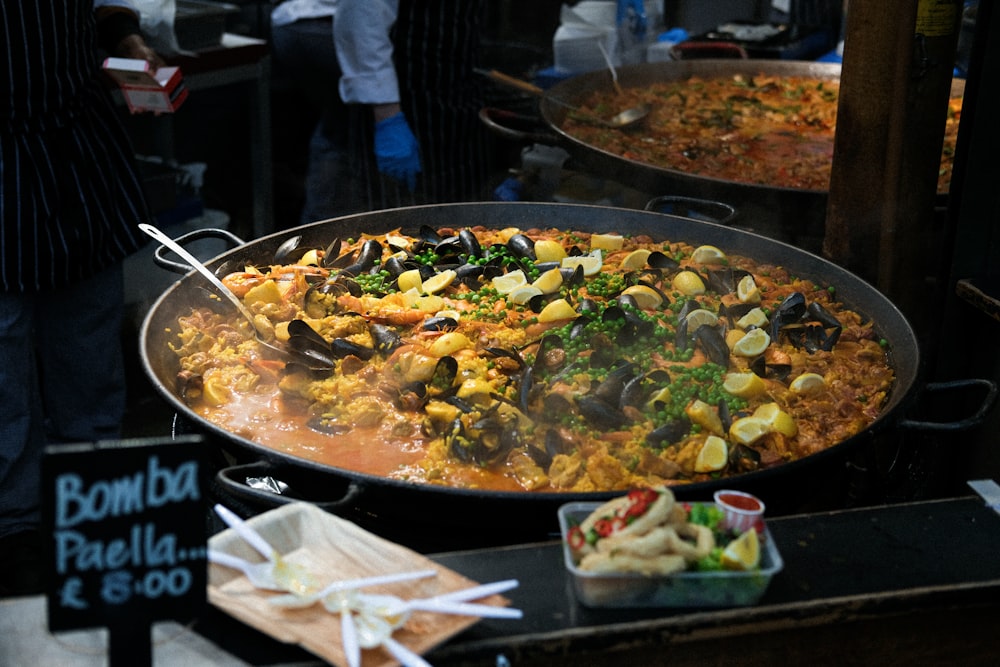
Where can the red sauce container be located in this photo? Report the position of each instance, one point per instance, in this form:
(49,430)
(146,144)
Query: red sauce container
(742,511)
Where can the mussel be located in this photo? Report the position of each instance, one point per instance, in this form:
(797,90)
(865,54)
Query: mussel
(486,440)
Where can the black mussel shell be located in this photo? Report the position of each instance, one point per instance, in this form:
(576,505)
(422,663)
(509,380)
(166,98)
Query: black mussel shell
(732,313)
(572,277)
(521,246)
(445,372)
(610,390)
(470,244)
(342,347)
(790,312)
(820,314)
(387,340)
(724,281)
(284,251)
(440,323)
(470,275)
(555,406)
(429,235)
(658,260)
(600,414)
(365,261)
(713,343)
(395,266)
(667,433)
(301,328)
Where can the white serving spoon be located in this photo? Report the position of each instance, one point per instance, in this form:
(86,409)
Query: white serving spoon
(213,280)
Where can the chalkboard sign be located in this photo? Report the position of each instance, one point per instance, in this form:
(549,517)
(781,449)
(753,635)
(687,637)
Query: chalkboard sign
(125,523)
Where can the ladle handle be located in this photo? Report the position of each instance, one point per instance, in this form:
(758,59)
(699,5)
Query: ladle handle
(198,266)
(513,82)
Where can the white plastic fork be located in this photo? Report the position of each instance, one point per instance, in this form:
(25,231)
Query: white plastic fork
(251,536)
(261,575)
(374,632)
(453,602)
(341,585)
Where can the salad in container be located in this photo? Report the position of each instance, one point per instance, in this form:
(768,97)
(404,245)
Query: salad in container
(646,549)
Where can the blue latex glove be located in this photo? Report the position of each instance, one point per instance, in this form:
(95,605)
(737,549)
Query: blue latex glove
(631,16)
(396,151)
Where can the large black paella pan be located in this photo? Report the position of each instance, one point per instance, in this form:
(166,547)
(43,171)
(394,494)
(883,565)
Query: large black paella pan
(771,206)
(533,513)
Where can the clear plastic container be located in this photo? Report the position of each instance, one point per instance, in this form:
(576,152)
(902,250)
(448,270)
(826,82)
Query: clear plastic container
(683,589)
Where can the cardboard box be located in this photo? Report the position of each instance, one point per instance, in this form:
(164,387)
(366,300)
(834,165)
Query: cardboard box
(162,91)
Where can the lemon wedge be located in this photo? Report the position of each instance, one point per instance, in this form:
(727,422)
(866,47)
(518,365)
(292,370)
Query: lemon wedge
(753,343)
(807,383)
(556,310)
(507,282)
(408,280)
(747,430)
(523,294)
(708,254)
(310,258)
(699,317)
(661,396)
(713,455)
(754,318)
(644,295)
(549,282)
(428,303)
(703,414)
(606,241)
(438,281)
(688,283)
(747,290)
(776,419)
(636,259)
(733,336)
(591,263)
(547,250)
(744,385)
(743,553)
(449,343)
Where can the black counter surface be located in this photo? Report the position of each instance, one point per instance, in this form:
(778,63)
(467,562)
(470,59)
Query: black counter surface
(914,579)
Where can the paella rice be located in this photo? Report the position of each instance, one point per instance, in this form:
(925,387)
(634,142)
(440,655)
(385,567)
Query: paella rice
(534,360)
(770,130)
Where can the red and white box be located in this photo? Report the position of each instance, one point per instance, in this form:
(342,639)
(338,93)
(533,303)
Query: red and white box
(162,91)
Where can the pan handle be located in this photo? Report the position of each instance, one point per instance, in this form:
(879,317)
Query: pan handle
(694,50)
(989,400)
(159,255)
(233,481)
(495,120)
(694,208)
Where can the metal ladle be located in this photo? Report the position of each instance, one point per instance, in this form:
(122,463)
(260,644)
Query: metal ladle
(211,278)
(620,120)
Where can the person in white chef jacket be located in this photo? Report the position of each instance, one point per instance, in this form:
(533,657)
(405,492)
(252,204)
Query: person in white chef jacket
(341,51)
(398,87)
